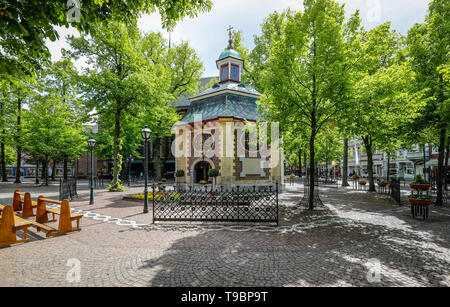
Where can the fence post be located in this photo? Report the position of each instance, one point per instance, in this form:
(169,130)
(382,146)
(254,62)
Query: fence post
(153,204)
(276,192)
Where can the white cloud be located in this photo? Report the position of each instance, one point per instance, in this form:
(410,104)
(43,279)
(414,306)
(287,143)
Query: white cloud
(207,33)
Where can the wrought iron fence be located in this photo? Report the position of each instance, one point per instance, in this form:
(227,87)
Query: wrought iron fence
(68,188)
(305,200)
(239,204)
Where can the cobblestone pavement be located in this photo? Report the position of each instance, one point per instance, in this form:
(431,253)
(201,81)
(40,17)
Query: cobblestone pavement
(346,244)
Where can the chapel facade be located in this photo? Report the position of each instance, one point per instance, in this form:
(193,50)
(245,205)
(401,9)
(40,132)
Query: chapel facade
(221,130)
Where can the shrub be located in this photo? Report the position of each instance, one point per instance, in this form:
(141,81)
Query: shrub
(419,180)
(116,188)
(179,173)
(213,172)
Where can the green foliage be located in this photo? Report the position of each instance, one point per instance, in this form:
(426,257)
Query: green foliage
(419,180)
(301,70)
(118,187)
(133,79)
(179,173)
(213,172)
(329,146)
(25,25)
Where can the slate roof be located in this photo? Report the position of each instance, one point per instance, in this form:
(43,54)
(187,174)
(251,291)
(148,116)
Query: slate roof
(223,105)
(239,87)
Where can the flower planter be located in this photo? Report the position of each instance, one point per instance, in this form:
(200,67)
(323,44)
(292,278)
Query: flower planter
(420,201)
(382,185)
(362,183)
(421,187)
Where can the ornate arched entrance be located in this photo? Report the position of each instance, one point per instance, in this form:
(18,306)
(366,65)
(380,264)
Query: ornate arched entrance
(201,171)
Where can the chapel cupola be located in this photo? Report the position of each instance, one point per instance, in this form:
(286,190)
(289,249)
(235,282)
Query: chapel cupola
(230,63)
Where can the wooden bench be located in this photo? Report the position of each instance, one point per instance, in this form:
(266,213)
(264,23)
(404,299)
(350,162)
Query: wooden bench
(28,204)
(9,225)
(65,217)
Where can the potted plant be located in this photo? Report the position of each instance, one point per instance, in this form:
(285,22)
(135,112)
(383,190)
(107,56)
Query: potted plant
(292,176)
(420,199)
(362,182)
(417,197)
(356,177)
(383,183)
(419,184)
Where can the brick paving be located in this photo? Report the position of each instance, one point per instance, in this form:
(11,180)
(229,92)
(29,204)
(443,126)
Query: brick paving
(337,246)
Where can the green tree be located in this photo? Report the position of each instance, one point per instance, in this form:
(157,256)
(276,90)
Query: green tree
(381,96)
(428,46)
(304,76)
(51,127)
(133,79)
(329,146)
(26,24)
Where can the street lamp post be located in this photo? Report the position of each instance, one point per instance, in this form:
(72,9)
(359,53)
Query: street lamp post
(129,160)
(146,133)
(91,143)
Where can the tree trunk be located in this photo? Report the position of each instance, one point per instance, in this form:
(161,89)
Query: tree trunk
(53,170)
(117,158)
(345,166)
(43,170)
(157,160)
(65,168)
(45,163)
(19,148)
(388,166)
(3,163)
(368,144)
(425,161)
(18,164)
(446,166)
(2,149)
(326,171)
(440,174)
(312,166)
(300,163)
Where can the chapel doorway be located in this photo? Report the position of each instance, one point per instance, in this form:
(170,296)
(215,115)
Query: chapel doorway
(201,171)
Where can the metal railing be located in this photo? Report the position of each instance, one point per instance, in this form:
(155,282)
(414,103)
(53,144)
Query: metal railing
(237,204)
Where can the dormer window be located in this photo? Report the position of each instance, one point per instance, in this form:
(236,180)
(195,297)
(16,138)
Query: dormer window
(224,72)
(235,72)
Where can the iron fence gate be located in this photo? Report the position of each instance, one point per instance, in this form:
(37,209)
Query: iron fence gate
(239,204)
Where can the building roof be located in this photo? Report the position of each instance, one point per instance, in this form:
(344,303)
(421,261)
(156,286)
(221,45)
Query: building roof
(184,102)
(229,52)
(230,85)
(224,105)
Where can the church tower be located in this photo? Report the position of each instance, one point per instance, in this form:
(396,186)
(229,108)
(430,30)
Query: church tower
(222,113)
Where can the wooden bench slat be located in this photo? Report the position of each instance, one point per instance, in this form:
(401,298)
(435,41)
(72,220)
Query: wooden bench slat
(58,212)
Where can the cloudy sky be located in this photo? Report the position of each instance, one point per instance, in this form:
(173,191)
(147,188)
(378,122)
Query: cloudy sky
(208,36)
